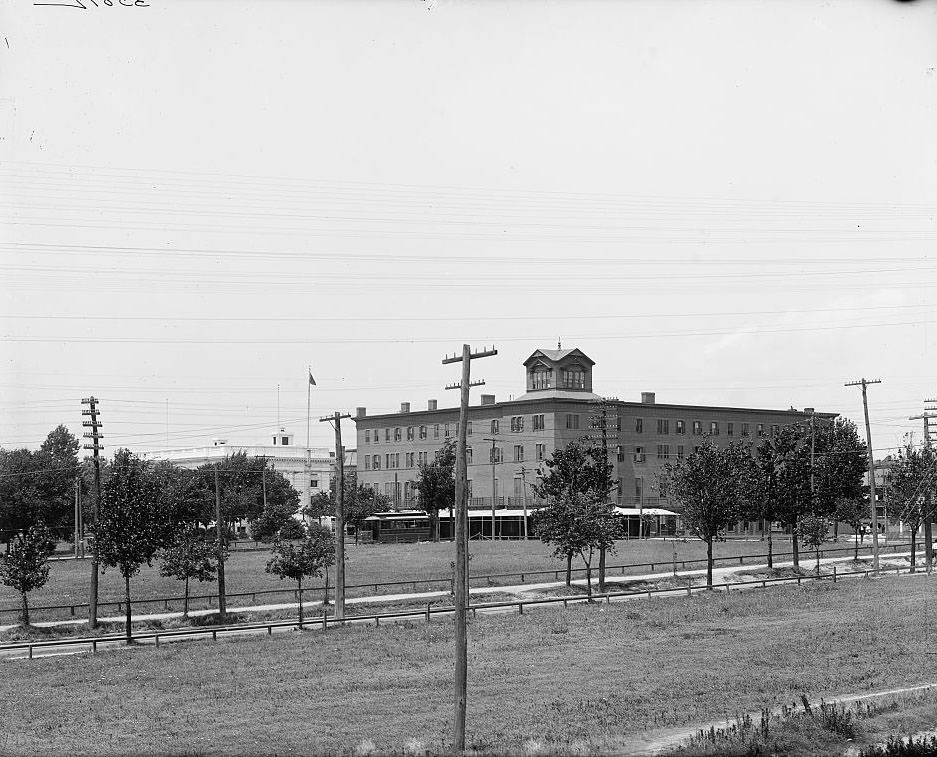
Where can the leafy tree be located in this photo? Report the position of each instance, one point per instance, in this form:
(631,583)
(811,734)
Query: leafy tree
(813,530)
(840,463)
(22,495)
(133,522)
(784,461)
(714,486)
(853,511)
(59,458)
(910,483)
(578,517)
(26,566)
(314,553)
(359,503)
(436,485)
(190,555)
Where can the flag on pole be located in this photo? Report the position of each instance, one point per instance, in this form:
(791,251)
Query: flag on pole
(312,381)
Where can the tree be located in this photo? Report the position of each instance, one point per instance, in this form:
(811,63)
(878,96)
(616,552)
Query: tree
(909,484)
(853,511)
(59,458)
(578,518)
(310,557)
(436,485)
(714,487)
(813,529)
(133,523)
(784,461)
(25,567)
(190,555)
(840,464)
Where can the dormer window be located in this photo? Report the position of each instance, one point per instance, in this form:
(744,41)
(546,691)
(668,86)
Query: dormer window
(541,378)
(574,378)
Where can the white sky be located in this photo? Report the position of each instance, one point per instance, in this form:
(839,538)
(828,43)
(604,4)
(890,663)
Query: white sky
(726,203)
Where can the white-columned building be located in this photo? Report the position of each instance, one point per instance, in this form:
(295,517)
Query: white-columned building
(309,470)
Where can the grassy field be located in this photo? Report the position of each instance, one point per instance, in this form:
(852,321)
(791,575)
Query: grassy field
(366,563)
(586,679)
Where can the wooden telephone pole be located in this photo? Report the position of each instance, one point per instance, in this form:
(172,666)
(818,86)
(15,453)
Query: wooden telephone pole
(96,448)
(461,545)
(868,438)
(928,491)
(336,420)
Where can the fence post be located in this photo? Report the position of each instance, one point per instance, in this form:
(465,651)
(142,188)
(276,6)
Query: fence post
(834,574)
(564,602)
(377,621)
(269,630)
(764,584)
(214,635)
(741,561)
(156,637)
(325,620)
(73,610)
(520,607)
(522,578)
(688,591)
(30,651)
(94,647)
(427,611)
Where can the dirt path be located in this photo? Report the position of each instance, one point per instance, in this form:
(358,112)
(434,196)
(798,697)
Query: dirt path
(663,741)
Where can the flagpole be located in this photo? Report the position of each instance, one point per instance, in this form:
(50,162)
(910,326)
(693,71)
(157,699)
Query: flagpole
(308,451)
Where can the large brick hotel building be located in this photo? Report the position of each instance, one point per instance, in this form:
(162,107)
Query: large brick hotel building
(558,407)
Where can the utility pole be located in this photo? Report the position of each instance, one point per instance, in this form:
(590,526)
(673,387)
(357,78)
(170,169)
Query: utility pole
(868,437)
(219,533)
(461,541)
(928,496)
(494,482)
(95,447)
(336,420)
(524,491)
(77,516)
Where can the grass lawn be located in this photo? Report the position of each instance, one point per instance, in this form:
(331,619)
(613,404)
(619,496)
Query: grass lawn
(244,572)
(585,679)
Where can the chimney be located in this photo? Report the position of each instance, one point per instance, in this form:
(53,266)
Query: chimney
(404,407)
(431,405)
(361,412)
(488,399)
(647,398)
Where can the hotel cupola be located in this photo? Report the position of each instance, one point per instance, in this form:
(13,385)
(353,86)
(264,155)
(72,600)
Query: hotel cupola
(564,373)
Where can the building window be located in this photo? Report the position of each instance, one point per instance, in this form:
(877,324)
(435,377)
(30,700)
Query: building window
(663,426)
(664,486)
(639,454)
(696,450)
(620,453)
(760,429)
(387,460)
(697,428)
(730,429)
(396,459)
(681,427)
(446,430)
(367,436)
(572,421)
(542,378)
(541,451)
(468,455)
(538,422)
(639,425)
(744,429)
(410,431)
(494,455)
(574,378)
(663,451)
(377,462)
(468,428)
(422,432)
(367,462)
(714,428)
(410,460)
(468,488)
(518,453)
(679,451)
(397,433)
(436,431)
(517,423)
(639,488)
(314,483)
(495,426)
(386,434)
(775,430)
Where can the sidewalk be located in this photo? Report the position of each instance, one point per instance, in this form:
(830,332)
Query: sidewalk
(720,575)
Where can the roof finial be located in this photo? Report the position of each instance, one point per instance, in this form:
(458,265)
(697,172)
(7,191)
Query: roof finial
(559,344)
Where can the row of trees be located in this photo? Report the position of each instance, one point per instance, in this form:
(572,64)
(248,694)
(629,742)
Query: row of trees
(144,509)
(805,478)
